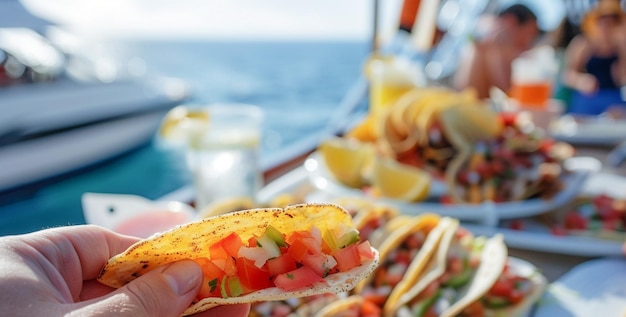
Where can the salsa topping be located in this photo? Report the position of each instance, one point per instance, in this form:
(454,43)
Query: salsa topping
(233,267)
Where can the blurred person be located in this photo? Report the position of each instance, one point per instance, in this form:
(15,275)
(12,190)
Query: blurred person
(595,60)
(53,273)
(488,62)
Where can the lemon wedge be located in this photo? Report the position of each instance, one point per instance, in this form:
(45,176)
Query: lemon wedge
(225,206)
(181,122)
(400,181)
(346,159)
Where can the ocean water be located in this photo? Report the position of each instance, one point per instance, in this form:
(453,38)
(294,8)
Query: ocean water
(298,84)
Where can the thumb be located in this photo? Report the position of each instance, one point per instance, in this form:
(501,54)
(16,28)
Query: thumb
(166,291)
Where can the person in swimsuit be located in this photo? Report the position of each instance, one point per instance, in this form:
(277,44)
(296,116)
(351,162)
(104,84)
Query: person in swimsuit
(488,60)
(595,61)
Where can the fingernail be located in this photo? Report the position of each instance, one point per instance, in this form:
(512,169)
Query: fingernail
(183,276)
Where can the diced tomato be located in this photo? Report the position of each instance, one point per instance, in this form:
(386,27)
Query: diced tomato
(212,276)
(252,242)
(281,264)
(517,224)
(516,296)
(375,298)
(575,221)
(297,279)
(231,244)
(347,258)
(502,288)
(209,268)
(365,250)
(298,249)
(210,288)
(217,252)
(251,277)
(455,266)
(227,265)
(369,309)
(320,263)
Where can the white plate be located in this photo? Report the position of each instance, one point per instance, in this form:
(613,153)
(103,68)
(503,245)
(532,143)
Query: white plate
(542,240)
(486,213)
(593,288)
(592,130)
(536,236)
(111,210)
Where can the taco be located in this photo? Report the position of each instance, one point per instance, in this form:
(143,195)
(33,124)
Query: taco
(257,255)
(493,288)
(294,307)
(515,163)
(368,217)
(410,245)
(354,306)
(372,223)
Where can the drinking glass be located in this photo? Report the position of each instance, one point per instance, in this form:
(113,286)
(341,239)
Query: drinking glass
(224,157)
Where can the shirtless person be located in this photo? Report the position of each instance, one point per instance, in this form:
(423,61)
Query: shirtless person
(488,63)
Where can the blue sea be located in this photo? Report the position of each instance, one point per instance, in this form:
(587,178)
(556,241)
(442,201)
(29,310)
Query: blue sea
(298,84)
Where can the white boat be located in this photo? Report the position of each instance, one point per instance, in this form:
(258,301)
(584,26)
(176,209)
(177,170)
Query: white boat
(52,123)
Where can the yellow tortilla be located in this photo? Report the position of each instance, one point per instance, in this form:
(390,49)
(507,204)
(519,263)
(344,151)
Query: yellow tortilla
(413,284)
(386,213)
(194,239)
(426,223)
(343,307)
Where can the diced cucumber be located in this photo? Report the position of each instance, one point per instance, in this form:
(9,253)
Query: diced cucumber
(495,302)
(269,245)
(422,307)
(232,285)
(459,280)
(223,287)
(336,241)
(276,236)
(347,238)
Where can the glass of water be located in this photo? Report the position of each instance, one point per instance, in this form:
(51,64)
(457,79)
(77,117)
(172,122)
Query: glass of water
(224,157)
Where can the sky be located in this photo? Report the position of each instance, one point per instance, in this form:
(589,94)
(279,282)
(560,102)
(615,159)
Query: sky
(216,18)
(236,19)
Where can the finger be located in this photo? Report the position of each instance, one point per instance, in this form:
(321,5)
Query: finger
(83,249)
(94,289)
(235,310)
(166,291)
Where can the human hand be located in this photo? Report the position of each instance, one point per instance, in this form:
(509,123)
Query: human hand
(53,272)
(587,84)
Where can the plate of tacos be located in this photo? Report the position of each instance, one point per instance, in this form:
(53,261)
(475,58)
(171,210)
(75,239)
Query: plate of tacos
(489,212)
(451,273)
(473,158)
(592,224)
(257,255)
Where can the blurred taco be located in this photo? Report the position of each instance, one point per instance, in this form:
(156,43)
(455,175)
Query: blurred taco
(368,217)
(257,255)
(409,245)
(353,306)
(372,223)
(492,289)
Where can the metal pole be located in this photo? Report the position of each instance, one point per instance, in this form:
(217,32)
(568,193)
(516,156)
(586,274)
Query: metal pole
(375,27)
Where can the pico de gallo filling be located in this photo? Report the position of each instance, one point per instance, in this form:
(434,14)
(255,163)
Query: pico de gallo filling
(234,267)
(600,216)
(462,261)
(392,269)
(300,306)
(520,164)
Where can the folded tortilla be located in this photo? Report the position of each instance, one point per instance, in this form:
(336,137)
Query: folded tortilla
(493,260)
(193,240)
(430,225)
